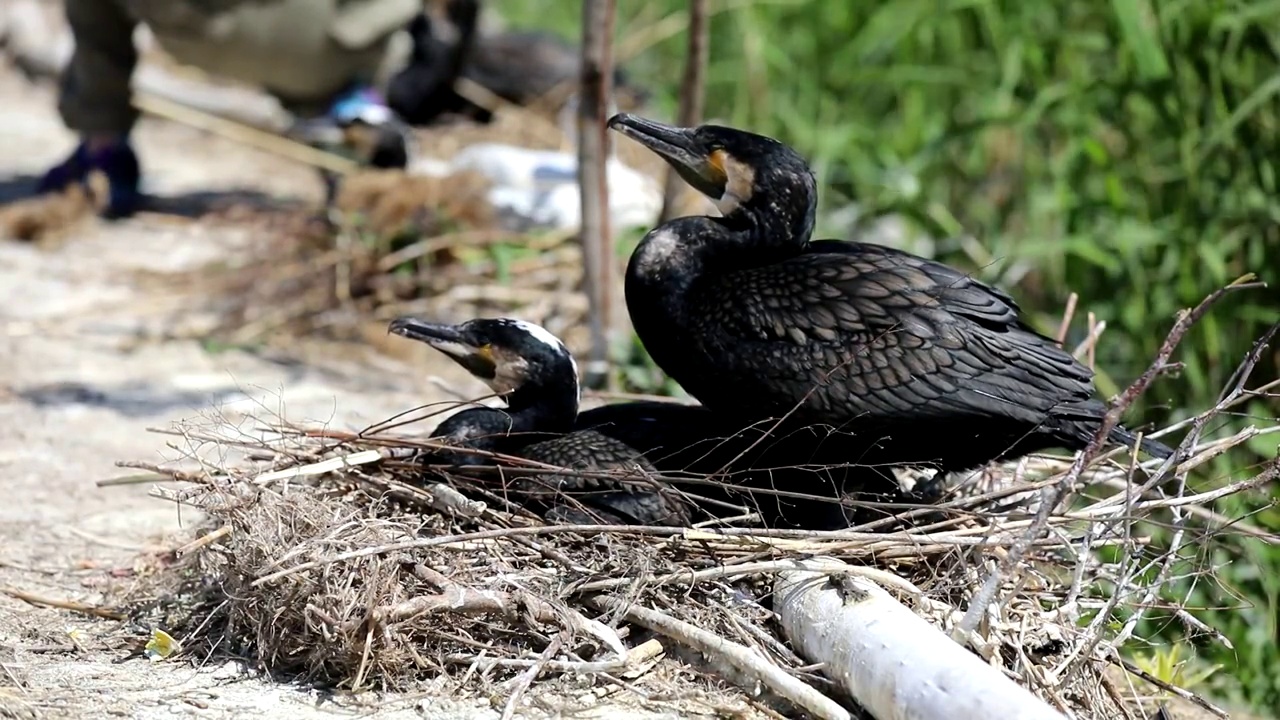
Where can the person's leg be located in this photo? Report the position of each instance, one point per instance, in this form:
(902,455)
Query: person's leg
(94,100)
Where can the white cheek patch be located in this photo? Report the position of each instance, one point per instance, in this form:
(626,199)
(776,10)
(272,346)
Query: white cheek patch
(740,180)
(508,377)
(728,203)
(453,349)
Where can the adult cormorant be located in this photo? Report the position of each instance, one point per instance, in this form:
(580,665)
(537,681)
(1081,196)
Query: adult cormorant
(921,363)
(538,378)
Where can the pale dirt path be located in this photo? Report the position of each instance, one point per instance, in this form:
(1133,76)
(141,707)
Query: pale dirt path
(77,391)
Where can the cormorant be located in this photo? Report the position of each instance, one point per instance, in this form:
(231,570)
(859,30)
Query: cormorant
(919,362)
(804,472)
(538,378)
(443,39)
(526,66)
(521,67)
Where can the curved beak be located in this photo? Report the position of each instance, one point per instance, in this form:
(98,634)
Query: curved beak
(679,146)
(445,338)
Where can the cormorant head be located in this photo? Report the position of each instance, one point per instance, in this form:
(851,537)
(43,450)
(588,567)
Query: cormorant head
(747,176)
(519,360)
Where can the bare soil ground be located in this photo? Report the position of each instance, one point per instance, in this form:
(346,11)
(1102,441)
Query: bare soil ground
(84,373)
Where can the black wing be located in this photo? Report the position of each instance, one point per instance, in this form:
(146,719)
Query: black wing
(883,334)
(590,451)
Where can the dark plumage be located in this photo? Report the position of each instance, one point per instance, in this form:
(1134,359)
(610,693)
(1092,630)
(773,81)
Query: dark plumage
(919,362)
(525,66)
(538,378)
(803,473)
(521,67)
(443,38)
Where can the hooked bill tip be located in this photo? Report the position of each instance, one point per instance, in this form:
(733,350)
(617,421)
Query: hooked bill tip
(411,327)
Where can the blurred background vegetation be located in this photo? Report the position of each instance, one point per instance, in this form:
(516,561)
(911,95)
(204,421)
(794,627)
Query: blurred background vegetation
(1124,150)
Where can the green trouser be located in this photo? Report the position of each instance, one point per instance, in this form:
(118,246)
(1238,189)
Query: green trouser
(302,51)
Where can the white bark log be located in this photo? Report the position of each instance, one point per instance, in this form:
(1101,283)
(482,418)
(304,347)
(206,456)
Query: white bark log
(890,660)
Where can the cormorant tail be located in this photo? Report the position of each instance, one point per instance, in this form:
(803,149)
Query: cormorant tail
(1154,448)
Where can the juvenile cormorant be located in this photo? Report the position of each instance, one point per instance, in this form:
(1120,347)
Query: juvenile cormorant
(538,378)
(920,362)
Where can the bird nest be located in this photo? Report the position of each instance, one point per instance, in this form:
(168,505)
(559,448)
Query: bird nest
(324,555)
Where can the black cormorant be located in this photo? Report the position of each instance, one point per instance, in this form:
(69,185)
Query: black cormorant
(918,361)
(538,378)
(520,67)
(790,475)
(443,38)
(526,66)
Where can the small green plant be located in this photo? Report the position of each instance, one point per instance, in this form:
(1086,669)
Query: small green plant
(1175,665)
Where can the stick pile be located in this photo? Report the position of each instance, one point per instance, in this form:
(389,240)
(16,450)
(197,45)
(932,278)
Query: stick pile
(338,558)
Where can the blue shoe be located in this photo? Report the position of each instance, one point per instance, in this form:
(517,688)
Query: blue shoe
(358,125)
(116,160)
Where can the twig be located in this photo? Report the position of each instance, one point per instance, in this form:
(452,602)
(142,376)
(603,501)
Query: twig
(207,539)
(879,542)
(1010,562)
(71,605)
(245,134)
(455,597)
(741,657)
(597,241)
(1184,694)
(691,95)
(526,678)
(757,568)
(1067,315)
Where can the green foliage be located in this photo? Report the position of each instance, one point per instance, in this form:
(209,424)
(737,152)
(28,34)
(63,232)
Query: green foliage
(1171,665)
(1125,150)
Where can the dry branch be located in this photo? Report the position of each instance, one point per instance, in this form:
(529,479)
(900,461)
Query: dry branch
(597,238)
(1009,563)
(892,662)
(741,657)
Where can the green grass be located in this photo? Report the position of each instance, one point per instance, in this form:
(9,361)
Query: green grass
(1125,150)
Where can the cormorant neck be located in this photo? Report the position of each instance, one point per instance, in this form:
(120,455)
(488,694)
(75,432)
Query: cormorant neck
(785,218)
(547,404)
(502,430)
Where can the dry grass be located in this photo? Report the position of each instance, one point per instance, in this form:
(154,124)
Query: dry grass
(337,558)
